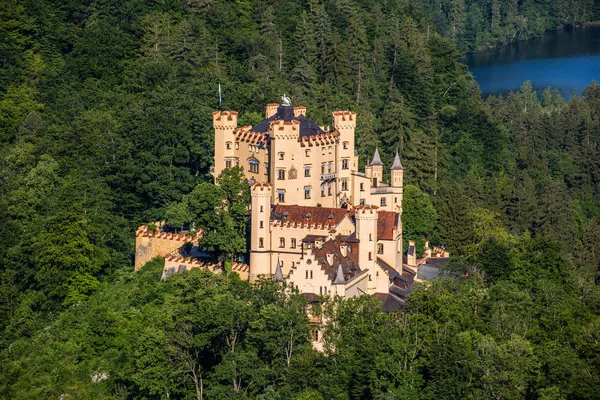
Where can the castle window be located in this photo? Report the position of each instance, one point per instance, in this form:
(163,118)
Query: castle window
(379,248)
(293,243)
(322,150)
(345,184)
(329,166)
(329,149)
(307,192)
(311,274)
(237,146)
(345,163)
(383,202)
(307,152)
(261,224)
(370,257)
(362,202)
(395,200)
(254,166)
(281,196)
(266,169)
(329,189)
(345,145)
(237,161)
(250,148)
(261,243)
(228,145)
(362,187)
(315,335)
(306,274)
(261,209)
(281,155)
(281,242)
(281,174)
(307,171)
(370,237)
(322,169)
(321,290)
(228,164)
(322,190)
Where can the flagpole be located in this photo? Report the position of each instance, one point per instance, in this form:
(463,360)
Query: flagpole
(220,96)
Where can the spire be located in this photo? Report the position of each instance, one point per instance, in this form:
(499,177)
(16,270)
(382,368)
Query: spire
(376,158)
(339,278)
(397,164)
(278,273)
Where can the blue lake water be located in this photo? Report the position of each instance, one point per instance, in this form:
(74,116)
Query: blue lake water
(567,60)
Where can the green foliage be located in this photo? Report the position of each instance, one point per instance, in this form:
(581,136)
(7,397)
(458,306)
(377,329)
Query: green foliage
(418,217)
(105,123)
(221,211)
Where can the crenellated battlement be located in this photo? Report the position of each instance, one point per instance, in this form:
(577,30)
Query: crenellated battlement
(366,212)
(299,110)
(245,134)
(270,110)
(344,119)
(155,243)
(225,119)
(260,186)
(321,139)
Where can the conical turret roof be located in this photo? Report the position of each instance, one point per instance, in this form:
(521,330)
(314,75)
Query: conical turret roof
(397,164)
(376,158)
(339,278)
(278,273)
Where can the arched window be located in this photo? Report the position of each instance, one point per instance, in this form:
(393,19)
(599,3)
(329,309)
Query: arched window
(228,145)
(382,202)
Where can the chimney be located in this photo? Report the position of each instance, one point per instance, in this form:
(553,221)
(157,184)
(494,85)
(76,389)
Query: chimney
(411,255)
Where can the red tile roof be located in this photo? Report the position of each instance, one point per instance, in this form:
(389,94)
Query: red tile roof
(349,262)
(386,221)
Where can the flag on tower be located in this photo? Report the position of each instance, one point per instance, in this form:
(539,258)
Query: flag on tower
(220,96)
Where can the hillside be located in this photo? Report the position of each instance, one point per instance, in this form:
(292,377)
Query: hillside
(105,123)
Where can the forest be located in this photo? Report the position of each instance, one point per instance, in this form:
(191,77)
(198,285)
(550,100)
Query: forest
(105,124)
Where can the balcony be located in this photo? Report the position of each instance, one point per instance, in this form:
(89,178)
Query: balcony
(328,177)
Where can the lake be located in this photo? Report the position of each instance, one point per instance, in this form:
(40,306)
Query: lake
(567,60)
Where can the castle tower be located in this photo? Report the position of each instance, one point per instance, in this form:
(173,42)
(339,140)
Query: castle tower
(284,156)
(224,122)
(397,172)
(260,242)
(366,232)
(397,184)
(345,123)
(270,110)
(376,169)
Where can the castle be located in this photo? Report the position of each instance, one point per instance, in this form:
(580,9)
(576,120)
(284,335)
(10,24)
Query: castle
(317,223)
